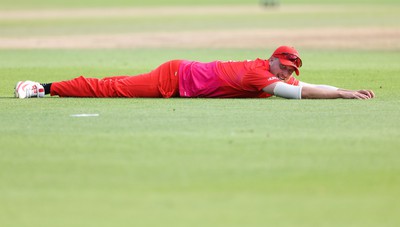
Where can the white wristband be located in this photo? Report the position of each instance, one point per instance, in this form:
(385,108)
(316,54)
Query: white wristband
(287,91)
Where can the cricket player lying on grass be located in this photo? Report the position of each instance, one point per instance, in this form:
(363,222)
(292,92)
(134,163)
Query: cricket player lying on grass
(190,79)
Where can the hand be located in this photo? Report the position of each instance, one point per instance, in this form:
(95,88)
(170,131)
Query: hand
(368,93)
(360,94)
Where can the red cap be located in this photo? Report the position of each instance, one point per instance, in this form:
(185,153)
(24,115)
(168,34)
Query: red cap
(288,56)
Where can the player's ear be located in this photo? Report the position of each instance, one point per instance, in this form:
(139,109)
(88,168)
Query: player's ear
(270,61)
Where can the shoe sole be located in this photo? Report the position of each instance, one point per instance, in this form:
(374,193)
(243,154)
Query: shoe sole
(16,93)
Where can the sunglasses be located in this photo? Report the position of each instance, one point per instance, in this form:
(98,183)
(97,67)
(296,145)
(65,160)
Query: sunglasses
(293,58)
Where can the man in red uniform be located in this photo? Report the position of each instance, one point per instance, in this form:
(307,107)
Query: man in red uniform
(218,79)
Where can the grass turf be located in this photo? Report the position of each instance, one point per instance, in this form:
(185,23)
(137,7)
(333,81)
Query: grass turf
(199,162)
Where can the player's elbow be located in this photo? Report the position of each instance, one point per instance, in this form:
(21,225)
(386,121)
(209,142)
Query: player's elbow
(287,91)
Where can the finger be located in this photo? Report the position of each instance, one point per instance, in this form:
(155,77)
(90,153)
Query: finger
(369,93)
(372,94)
(364,92)
(360,95)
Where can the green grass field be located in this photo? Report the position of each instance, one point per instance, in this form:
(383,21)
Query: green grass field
(198,162)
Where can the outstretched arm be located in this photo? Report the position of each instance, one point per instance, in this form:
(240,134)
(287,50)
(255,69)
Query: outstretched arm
(344,93)
(320,93)
(314,92)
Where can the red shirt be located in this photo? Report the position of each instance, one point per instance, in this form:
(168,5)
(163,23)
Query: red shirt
(230,79)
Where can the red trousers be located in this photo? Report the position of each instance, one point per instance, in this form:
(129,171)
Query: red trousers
(161,82)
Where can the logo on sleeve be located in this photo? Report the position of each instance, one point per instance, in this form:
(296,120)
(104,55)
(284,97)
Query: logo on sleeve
(273,78)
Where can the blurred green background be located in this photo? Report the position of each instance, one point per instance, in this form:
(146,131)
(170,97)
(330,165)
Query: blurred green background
(107,3)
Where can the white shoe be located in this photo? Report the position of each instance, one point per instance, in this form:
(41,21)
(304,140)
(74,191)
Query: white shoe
(28,89)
